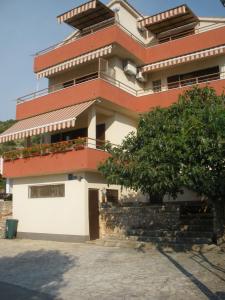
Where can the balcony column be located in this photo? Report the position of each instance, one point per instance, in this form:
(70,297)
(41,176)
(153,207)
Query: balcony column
(9,186)
(222,72)
(92,128)
(164,84)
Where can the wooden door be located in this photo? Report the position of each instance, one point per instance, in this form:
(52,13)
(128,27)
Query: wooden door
(93,214)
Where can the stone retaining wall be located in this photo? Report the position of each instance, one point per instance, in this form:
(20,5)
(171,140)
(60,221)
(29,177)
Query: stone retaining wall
(5,213)
(116,221)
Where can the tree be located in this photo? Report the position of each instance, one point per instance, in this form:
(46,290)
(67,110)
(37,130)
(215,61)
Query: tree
(175,147)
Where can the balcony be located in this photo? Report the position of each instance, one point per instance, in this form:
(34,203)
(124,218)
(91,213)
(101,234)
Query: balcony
(114,33)
(65,157)
(102,86)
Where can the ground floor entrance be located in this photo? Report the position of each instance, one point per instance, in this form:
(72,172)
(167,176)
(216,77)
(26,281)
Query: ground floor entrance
(93,204)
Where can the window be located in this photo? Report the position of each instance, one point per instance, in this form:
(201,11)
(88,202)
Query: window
(193,77)
(69,135)
(157,86)
(176,36)
(112,195)
(87,77)
(68,83)
(47,191)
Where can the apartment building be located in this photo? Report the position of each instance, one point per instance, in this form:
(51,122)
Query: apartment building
(114,66)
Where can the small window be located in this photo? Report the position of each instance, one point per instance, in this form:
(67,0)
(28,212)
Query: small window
(157,86)
(112,196)
(68,84)
(47,191)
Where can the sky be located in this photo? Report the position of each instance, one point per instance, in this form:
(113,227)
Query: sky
(27,26)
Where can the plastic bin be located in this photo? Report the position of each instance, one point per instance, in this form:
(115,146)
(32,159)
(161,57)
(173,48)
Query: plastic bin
(11,228)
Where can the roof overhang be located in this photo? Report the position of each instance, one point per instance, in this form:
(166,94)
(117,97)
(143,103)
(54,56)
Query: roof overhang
(86,15)
(169,19)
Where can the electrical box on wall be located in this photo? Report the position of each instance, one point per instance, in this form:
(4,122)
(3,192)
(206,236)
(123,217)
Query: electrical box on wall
(130,68)
(141,77)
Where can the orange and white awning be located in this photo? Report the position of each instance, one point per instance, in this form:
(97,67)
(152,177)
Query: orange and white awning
(76,61)
(87,14)
(169,19)
(48,122)
(174,12)
(184,59)
(77,10)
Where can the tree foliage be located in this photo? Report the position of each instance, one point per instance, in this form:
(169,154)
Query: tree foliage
(4,125)
(175,147)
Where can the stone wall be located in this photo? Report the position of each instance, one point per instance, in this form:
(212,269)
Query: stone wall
(117,221)
(5,213)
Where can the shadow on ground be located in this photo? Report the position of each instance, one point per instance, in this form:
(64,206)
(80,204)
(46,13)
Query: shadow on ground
(196,281)
(34,275)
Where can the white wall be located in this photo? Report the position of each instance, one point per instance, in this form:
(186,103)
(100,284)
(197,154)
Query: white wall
(96,181)
(67,215)
(118,127)
(128,19)
(118,65)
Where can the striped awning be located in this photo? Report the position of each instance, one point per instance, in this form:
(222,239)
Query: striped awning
(77,10)
(183,59)
(171,18)
(76,61)
(48,122)
(86,15)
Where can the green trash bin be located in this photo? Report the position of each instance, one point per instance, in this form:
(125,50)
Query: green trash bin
(11,228)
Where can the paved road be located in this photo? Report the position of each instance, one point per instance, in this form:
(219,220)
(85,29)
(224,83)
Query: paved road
(36,270)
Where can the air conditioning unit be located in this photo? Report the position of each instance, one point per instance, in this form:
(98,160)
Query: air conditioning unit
(140,77)
(130,68)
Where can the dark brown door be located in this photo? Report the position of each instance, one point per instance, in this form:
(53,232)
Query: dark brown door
(100,135)
(93,214)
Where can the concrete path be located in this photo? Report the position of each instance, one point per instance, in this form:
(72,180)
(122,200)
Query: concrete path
(40,270)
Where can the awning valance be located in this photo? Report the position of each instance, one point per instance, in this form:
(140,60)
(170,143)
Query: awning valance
(88,14)
(48,122)
(76,61)
(169,19)
(184,59)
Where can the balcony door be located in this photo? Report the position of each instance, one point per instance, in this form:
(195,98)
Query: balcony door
(100,135)
(93,214)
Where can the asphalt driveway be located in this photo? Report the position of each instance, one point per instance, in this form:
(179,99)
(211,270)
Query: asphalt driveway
(40,270)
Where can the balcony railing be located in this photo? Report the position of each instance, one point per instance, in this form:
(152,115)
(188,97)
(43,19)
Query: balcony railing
(138,93)
(47,149)
(182,83)
(92,29)
(57,87)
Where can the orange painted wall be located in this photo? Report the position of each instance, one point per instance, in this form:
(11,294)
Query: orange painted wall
(114,34)
(98,88)
(91,42)
(80,160)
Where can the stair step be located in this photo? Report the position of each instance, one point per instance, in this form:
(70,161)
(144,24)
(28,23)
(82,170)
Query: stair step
(172,240)
(142,246)
(198,228)
(165,233)
(197,215)
(196,221)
